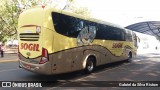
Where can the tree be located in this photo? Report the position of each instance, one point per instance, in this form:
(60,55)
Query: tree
(8,18)
(10,11)
(72,6)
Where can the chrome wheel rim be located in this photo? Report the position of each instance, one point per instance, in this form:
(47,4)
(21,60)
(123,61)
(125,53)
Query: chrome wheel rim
(90,66)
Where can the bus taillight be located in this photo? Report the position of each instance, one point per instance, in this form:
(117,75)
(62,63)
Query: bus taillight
(44,57)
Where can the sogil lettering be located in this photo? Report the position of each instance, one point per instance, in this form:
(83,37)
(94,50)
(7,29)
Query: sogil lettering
(30,47)
(117,45)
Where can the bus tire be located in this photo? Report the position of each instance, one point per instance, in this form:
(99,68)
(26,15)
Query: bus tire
(129,57)
(90,65)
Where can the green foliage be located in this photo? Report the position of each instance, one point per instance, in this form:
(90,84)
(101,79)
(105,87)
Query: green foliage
(73,7)
(82,11)
(8,18)
(10,11)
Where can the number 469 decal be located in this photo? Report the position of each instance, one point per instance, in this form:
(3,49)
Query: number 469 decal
(117,45)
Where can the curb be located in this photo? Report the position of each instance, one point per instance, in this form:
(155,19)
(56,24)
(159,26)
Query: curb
(4,61)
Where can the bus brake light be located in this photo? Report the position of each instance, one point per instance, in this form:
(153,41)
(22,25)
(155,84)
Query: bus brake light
(44,57)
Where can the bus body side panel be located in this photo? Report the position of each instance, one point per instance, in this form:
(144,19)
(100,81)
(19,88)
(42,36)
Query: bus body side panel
(74,59)
(62,56)
(61,62)
(77,59)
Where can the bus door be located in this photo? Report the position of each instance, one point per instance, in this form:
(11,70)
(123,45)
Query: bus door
(135,40)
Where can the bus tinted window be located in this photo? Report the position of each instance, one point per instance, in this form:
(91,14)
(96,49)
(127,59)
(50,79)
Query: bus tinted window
(71,27)
(128,35)
(100,32)
(67,25)
(109,33)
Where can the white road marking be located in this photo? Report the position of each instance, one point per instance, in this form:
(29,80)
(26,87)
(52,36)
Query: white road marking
(9,70)
(5,61)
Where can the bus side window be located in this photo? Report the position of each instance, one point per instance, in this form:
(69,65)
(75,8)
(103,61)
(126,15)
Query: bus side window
(128,36)
(116,34)
(109,33)
(100,32)
(123,35)
(67,25)
(87,34)
(92,31)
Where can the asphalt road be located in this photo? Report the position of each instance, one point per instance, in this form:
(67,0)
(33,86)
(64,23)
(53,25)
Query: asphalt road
(145,67)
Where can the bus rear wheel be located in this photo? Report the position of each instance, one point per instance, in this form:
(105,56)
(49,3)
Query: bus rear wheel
(129,57)
(90,65)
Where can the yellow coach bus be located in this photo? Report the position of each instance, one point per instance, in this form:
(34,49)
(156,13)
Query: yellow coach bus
(55,41)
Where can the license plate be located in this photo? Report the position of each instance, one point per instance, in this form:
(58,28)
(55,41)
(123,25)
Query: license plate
(28,66)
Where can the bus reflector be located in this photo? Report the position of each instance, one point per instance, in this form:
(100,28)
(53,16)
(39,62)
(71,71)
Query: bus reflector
(38,29)
(44,57)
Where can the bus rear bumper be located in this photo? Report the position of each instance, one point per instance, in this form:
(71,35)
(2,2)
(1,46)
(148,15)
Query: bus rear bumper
(36,68)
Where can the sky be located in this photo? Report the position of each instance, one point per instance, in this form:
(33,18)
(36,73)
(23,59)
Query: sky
(123,12)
